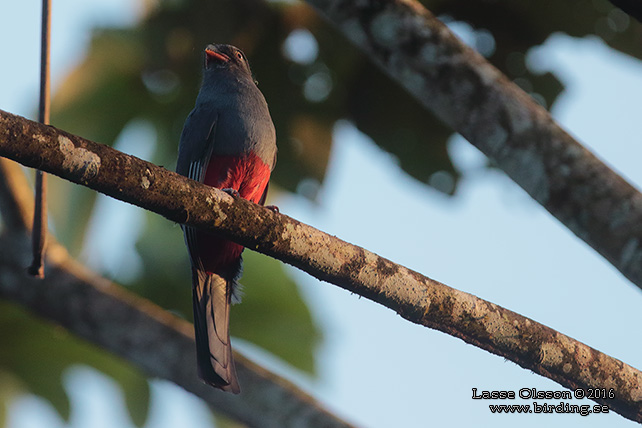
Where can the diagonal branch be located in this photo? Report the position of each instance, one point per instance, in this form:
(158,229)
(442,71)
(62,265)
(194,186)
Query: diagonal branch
(415,297)
(157,342)
(475,99)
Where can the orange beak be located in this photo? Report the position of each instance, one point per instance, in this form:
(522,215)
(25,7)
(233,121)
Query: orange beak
(215,56)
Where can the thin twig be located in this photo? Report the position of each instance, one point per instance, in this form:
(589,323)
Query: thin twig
(39,231)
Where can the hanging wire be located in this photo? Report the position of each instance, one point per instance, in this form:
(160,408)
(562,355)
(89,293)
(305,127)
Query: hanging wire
(39,232)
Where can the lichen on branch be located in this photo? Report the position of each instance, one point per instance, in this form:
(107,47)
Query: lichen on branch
(414,296)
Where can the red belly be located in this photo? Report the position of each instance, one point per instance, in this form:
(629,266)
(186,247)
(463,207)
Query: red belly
(248,175)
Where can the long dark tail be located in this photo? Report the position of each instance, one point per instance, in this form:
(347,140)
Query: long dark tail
(212,295)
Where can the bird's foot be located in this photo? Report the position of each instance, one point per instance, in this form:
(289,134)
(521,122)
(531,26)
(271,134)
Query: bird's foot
(232,192)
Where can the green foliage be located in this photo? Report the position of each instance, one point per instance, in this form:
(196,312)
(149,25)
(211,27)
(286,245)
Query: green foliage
(35,355)
(272,314)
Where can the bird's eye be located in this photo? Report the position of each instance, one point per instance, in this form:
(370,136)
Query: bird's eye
(239,55)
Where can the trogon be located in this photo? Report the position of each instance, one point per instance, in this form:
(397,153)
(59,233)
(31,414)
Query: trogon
(228,142)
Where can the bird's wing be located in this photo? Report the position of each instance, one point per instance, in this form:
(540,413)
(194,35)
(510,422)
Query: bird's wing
(194,152)
(197,143)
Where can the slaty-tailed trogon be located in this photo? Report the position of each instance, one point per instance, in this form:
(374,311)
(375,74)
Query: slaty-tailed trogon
(228,142)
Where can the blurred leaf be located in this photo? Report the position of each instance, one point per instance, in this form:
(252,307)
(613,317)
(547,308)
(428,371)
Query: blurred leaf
(70,206)
(225,422)
(96,101)
(418,140)
(105,90)
(38,353)
(167,275)
(272,313)
(10,388)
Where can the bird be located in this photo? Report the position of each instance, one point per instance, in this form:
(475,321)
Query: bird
(228,142)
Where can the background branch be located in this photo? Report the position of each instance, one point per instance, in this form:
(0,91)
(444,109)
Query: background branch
(412,295)
(474,98)
(157,342)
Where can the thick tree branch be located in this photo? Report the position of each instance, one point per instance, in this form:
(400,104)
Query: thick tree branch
(157,342)
(474,98)
(415,297)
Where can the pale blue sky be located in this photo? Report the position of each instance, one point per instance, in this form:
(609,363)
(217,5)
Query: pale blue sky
(491,240)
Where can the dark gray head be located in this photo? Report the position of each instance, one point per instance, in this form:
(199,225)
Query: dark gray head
(226,59)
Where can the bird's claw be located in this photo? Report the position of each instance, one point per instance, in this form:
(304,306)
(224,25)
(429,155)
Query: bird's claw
(232,192)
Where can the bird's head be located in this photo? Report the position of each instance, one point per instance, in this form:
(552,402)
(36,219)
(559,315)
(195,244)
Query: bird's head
(226,58)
